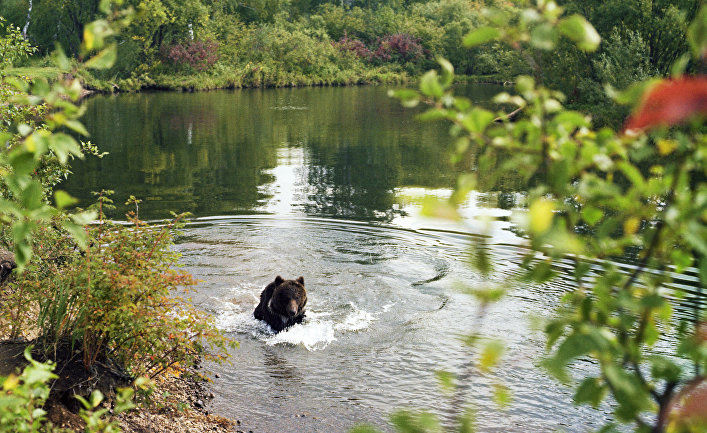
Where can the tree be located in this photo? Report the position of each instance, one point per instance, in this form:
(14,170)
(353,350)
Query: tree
(639,194)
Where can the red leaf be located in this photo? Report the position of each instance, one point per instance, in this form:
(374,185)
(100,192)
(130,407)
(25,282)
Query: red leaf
(669,103)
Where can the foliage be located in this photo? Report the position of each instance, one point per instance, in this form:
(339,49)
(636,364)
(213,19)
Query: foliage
(30,144)
(24,396)
(642,37)
(107,288)
(195,54)
(13,46)
(358,48)
(117,298)
(400,48)
(598,195)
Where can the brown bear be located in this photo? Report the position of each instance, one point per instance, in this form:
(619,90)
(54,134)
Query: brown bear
(282,303)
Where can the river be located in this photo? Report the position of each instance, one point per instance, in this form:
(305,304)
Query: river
(327,183)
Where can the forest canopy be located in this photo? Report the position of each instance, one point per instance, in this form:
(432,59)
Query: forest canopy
(232,43)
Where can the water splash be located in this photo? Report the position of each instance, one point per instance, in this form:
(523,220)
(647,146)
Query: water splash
(319,329)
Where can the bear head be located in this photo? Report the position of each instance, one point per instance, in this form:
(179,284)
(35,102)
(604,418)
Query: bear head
(289,297)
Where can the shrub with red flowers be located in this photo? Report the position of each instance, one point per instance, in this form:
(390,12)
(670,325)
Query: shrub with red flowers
(355,46)
(399,47)
(198,55)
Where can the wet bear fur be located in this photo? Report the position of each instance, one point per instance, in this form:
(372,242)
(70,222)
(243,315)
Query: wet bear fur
(282,303)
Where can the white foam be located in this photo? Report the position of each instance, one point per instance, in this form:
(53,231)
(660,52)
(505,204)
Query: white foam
(356,321)
(319,329)
(313,335)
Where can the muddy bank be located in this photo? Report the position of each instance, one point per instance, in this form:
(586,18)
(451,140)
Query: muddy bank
(176,404)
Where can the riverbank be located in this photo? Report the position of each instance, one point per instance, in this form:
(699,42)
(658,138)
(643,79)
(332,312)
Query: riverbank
(253,76)
(175,404)
(174,401)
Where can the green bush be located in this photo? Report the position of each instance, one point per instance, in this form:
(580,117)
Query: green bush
(117,299)
(595,197)
(22,399)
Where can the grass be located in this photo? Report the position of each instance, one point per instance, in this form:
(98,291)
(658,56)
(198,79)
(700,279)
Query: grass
(236,78)
(49,73)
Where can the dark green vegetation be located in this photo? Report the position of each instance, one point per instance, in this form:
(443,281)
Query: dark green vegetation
(595,195)
(99,301)
(198,44)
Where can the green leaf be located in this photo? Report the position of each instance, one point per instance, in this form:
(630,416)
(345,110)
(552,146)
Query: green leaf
(104,59)
(40,87)
(430,85)
(31,197)
(632,173)
(364,428)
(85,217)
(703,270)
(541,215)
(571,120)
(543,37)
(490,355)
(681,260)
(96,398)
(403,94)
(680,65)
(697,236)
(23,253)
(64,145)
(409,422)
(104,6)
(38,413)
(64,199)
(628,391)
(697,34)
(592,215)
(578,29)
(38,373)
(467,421)
(37,143)
(480,36)
(24,129)
(501,395)
(76,126)
(432,115)
(478,120)
(94,35)
(632,94)
(664,368)
(481,261)
(438,208)
(447,72)
(554,331)
(590,391)
(59,58)
(77,232)
(574,346)
(525,83)
(408,98)
(446,380)
(22,162)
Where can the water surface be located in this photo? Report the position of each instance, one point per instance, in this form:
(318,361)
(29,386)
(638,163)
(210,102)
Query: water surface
(326,183)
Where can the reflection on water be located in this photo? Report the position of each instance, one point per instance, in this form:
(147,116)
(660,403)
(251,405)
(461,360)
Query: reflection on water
(343,152)
(324,183)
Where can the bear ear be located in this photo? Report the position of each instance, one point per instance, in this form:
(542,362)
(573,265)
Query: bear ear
(300,280)
(278,280)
